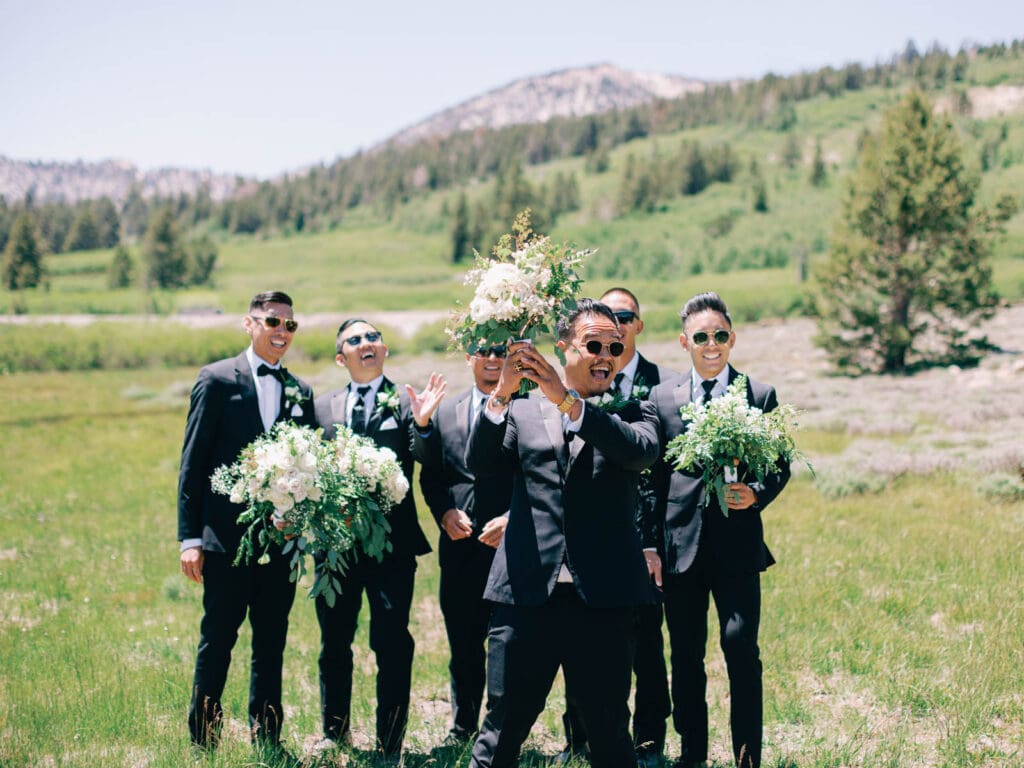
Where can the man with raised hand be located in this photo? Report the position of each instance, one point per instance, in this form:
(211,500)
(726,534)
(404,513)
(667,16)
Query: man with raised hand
(705,553)
(372,405)
(569,571)
(471,513)
(233,402)
(651,702)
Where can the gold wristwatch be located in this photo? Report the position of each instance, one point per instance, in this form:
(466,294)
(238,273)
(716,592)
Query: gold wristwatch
(571,398)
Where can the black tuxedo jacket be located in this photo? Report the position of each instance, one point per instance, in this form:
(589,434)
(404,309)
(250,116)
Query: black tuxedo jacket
(223,418)
(679,514)
(447,481)
(577,508)
(388,430)
(652,374)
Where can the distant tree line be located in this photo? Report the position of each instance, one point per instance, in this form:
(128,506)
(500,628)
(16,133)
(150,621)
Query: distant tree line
(393,174)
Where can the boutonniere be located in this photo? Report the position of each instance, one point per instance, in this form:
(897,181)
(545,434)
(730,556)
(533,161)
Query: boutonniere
(293,395)
(640,390)
(609,402)
(387,399)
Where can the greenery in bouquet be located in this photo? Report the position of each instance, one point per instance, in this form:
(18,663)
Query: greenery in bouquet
(519,292)
(329,499)
(728,432)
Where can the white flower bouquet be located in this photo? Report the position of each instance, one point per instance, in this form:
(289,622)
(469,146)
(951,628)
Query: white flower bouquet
(519,292)
(728,434)
(329,498)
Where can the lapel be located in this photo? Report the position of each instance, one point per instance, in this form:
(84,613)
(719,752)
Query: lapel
(463,410)
(682,392)
(243,377)
(553,426)
(339,413)
(376,413)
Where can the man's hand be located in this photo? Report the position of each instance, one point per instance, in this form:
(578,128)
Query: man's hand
(192,564)
(740,496)
(424,404)
(535,367)
(653,565)
(456,524)
(494,531)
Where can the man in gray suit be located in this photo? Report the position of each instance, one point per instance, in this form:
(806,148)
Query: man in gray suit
(471,513)
(569,571)
(707,554)
(372,405)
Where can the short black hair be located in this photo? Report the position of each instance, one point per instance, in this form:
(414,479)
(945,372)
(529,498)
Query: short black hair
(260,300)
(702,302)
(584,307)
(632,296)
(339,339)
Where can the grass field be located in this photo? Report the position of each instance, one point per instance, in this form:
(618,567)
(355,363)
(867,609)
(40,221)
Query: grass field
(892,635)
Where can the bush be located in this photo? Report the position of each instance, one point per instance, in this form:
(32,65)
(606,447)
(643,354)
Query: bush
(1002,487)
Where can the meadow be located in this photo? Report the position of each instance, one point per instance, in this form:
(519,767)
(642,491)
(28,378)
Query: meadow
(892,635)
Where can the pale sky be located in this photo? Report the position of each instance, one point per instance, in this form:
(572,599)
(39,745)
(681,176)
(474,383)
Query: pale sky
(261,87)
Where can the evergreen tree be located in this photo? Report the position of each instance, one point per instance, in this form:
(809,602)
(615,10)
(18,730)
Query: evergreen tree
(165,259)
(202,258)
(759,188)
(792,153)
(908,277)
(108,223)
(461,247)
(819,174)
(122,269)
(84,234)
(23,256)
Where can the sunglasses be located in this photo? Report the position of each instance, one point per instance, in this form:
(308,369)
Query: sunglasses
(594,347)
(700,338)
(498,350)
(625,316)
(273,322)
(372,337)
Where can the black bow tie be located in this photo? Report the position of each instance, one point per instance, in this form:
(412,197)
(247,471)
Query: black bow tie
(266,370)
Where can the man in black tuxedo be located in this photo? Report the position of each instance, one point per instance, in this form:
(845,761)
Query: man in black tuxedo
(651,703)
(472,514)
(704,552)
(569,571)
(233,402)
(373,406)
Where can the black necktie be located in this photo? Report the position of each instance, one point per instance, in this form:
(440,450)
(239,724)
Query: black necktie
(358,424)
(708,386)
(617,386)
(266,370)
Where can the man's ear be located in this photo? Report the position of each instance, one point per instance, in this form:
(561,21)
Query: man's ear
(684,342)
(340,359)
(639,325)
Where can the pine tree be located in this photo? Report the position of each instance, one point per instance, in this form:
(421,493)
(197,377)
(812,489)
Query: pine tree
(819,173)
(460,231)
(108,223)
(23,256)
(908,278)
(165,258)
(84,234)
(121,270)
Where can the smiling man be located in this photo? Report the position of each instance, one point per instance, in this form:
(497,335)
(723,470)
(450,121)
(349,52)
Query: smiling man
(233,402)
(372,405)
(707,554)
(569,571)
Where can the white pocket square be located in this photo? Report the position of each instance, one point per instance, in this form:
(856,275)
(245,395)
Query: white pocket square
(296,410)
(389,423)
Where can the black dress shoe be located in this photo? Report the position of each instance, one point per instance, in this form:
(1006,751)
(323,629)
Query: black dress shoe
(648,757)
(456,741)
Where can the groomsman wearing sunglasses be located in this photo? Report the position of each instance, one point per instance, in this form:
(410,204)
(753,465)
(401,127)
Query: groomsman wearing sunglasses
(570,570)
(704,553)
(651,703)
(374,406)
(472,514)
(233,402)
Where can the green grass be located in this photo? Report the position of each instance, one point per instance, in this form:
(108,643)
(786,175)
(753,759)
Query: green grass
(892,630)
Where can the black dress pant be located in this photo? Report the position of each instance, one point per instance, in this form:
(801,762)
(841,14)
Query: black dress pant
(265,593)
(651,703)
(388,586)
(594,648)
(737,599)
(464,567)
